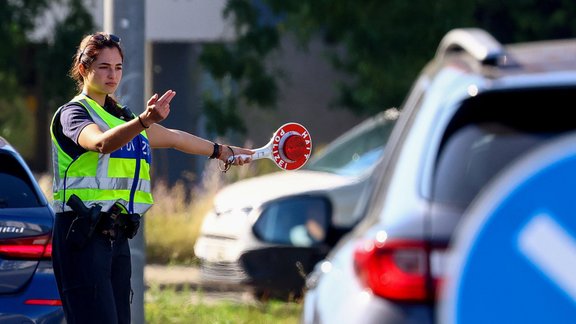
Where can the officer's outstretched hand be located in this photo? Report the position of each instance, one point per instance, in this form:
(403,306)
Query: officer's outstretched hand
(235,155)
(157,109)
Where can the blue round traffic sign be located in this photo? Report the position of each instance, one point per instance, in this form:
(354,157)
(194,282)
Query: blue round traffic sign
(514,255)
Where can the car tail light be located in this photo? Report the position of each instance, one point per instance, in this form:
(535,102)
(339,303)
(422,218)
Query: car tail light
(397,269)
(48,251)
(44,302)
(32,247)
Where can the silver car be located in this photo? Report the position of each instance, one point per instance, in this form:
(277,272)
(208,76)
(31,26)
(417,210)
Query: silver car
(475,108)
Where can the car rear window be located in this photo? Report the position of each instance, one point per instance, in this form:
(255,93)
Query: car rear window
(16,187)
(491,131)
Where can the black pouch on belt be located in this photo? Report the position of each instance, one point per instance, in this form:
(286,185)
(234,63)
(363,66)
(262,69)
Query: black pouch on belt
(129,224)
(83,226)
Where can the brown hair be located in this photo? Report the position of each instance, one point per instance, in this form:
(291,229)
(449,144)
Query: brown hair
(88,51)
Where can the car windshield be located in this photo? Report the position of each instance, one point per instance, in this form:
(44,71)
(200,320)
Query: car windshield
(357,151)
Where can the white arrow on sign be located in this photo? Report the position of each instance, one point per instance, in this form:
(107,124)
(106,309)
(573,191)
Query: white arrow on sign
(551,249)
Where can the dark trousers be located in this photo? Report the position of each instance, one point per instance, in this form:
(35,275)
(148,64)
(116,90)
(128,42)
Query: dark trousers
(93,281)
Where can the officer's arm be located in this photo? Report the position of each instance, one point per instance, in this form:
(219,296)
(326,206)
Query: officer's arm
(92,138)
(162,137)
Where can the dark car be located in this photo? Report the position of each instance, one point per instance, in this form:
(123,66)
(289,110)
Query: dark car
(28,291)
(477,107)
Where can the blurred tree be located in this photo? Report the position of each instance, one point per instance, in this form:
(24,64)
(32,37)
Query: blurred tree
(527,20)
(380,45)
(52,62)
(59,51)
(16,21)
(33,72)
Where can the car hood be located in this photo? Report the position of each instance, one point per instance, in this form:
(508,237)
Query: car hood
(276,185)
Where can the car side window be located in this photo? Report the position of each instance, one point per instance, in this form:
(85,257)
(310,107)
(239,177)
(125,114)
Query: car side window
(301,221)
(16,190)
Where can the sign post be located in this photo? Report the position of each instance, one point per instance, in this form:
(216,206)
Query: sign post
(126,19)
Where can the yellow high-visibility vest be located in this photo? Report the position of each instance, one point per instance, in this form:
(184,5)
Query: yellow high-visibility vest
(122,176)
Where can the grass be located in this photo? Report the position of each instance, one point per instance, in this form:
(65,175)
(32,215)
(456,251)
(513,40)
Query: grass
(185,306)
(173,223)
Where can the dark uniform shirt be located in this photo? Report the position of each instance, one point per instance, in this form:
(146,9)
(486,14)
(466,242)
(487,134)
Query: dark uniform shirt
(73,119)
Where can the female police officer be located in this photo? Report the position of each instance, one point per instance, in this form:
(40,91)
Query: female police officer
(101,160)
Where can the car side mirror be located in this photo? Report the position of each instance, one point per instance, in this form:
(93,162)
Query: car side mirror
(301,221)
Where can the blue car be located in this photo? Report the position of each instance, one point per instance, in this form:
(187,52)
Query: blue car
(28,291)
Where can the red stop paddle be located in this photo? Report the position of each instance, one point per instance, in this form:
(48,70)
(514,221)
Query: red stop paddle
(289,147)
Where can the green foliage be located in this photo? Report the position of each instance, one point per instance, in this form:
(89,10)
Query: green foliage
(527,20)
(33,73)
(16,125)
(380,45)
(385,43)
(16,21)
(59,52)
(240,71)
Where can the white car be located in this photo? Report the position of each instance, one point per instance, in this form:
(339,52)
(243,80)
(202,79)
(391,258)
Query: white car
(268,232)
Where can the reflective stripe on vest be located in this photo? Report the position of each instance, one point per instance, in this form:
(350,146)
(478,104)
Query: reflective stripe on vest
(122,176)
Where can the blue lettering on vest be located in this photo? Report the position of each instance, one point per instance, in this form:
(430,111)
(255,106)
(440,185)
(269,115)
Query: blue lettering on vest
(133,151)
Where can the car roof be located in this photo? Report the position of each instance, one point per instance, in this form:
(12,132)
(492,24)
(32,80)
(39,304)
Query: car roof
(5,145)
(477,51)
(543,56)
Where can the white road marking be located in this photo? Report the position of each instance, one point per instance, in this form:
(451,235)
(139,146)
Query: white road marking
(551,249)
